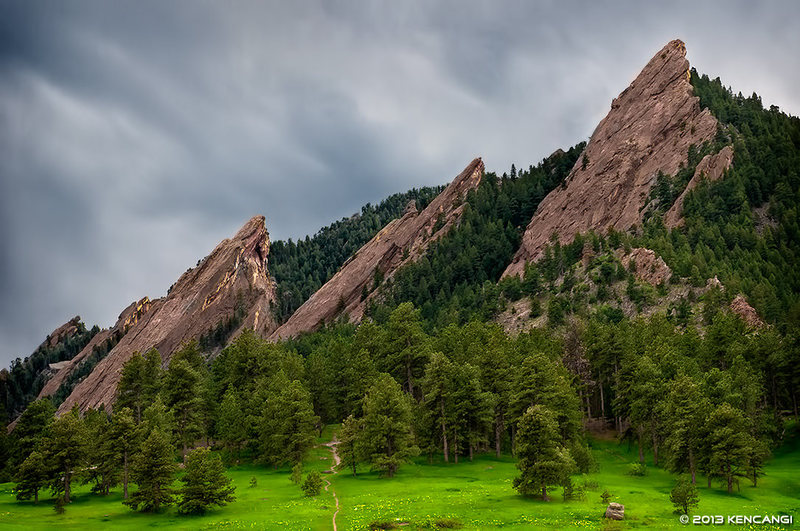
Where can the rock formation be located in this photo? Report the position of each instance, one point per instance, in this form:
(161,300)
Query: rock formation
(129,317)
(615,511)
(233,276)
(712,167)
(649,129)
(61,333)
(650,267)
(742,308)
(401,241)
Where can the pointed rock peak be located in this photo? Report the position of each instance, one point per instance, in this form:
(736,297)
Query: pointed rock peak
(648,130)
(254,226)
(411,208)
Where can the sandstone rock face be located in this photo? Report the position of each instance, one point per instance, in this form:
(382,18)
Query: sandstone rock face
(129,317)
(234,274)
(712,167)
(742,308)
(649,129)
(650,267)
(401,241)
(615,511)
(61,333)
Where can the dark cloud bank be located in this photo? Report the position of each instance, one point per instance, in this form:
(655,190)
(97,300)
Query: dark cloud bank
(136,135)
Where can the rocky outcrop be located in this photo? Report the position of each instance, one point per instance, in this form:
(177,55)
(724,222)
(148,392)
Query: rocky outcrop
(401,241)
(742,308)
(129,317)
(650,267)
(649,129)
(61,333)
(615,511)
(234,276)
(711,167)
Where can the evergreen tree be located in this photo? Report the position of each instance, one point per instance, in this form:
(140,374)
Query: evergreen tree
(730,444)
(312,486)
(65,450)
(183,396)
(684,496)
(543,460)
(153,470)
(139,382)
(204,483)
(686,409)
(123,440)
(387,426)
(349,446)
(406,352)
(30,428)
(288,424)
(32,475)
(231,426)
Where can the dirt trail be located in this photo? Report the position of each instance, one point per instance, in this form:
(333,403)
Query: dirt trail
(333,470)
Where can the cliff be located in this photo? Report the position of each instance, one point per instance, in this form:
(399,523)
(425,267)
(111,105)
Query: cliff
(649,129)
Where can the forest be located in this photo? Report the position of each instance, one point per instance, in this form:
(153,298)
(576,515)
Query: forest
(656,383)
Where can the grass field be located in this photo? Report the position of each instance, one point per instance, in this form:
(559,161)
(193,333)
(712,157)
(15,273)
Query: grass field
(477,494)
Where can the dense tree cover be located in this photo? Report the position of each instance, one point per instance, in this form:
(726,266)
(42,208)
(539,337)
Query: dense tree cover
(301,268)
(204,483)
(455,281)
(22,383)
(744,228)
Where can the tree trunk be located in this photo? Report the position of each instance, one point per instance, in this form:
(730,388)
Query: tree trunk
(408,376)
(125,475)
(691,467)
(66,486)
(498,434)
(641,444)
(184,452)
(709,480)
(730,478)
(544,493)
(36,496)
(470,452)
(455,447)
(655,450)
(602,399)
(444,434)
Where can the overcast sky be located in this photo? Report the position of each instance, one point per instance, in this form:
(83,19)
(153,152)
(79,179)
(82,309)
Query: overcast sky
(136,135)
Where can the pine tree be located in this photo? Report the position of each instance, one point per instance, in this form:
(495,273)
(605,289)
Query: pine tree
(349,447)
(730,443)
(139,382)
(231,426)
(204,483)
(288,425)
(153,469)
(684,496)
(123,440)
(406,351)
(312,486)
(387,426)
(543,460)
(32,475)
(183,396)
(30,428)
(65,449)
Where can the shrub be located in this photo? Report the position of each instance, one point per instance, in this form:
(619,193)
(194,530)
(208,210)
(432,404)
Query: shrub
(312,486)
(637,469)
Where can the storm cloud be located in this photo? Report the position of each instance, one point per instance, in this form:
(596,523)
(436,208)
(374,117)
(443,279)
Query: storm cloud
(136,135)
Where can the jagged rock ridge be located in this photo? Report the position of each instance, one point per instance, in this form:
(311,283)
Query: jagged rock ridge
(129,317)
(401,241)
(711,167)
(649,129)
(234,275)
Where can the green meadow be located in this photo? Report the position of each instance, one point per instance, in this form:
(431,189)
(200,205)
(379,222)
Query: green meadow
(469,495)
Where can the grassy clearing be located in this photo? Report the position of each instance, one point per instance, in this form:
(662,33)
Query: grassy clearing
(477,495)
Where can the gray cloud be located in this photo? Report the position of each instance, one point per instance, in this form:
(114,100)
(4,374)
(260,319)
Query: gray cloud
(134,136)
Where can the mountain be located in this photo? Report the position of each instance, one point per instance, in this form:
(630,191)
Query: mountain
(229,290)
(648,130)
(402,241)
